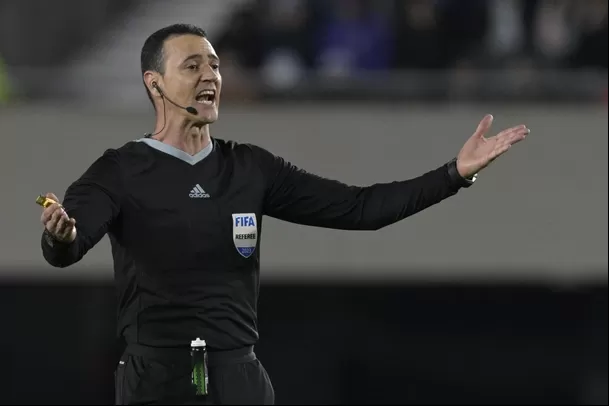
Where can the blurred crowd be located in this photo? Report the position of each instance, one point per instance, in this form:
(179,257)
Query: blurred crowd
(286,38)
(448,44)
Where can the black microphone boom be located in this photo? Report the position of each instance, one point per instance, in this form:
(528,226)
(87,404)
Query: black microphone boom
(189,109)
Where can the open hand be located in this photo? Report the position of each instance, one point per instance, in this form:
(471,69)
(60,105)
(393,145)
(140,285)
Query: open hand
(56,221)
(478,152)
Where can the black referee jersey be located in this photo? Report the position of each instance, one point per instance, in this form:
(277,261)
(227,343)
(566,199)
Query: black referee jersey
(185,230)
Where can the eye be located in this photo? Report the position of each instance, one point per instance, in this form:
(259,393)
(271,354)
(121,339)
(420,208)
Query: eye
(215,66)
(192,67)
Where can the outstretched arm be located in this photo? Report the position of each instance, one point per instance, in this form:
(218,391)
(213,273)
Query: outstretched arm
(300,197)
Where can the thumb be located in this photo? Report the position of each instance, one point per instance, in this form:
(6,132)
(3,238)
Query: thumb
(52,196)
(484,126)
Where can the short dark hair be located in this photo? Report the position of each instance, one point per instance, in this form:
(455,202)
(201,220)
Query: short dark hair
(152,56)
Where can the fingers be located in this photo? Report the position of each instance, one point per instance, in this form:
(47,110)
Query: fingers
(484,126)
(53,221)
(519,135)
(498,151)
(61,224)
(64,228)
(511,136)
(48,213)
(507,138)
(512,132)
(52,196)
(56,221)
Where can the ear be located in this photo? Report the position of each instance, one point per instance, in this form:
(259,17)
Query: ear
(151,80)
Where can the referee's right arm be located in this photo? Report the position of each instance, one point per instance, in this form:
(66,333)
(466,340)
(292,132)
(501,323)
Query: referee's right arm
(94,202)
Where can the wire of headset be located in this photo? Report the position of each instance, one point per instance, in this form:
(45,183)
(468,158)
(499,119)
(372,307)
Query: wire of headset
(189,109)
(149,135)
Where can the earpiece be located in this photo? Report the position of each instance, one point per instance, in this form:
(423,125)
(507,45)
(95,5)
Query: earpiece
(189,109)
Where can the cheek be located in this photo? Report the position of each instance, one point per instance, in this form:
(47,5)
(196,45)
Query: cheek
(181,86)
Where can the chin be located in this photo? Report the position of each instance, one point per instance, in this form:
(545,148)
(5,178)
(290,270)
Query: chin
(207,117)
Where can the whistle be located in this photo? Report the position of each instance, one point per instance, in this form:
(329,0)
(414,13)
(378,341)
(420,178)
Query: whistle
(44,201)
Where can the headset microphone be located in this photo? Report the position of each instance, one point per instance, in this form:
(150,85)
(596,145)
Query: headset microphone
(188,109)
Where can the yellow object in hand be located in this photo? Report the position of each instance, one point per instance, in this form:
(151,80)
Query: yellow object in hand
(44,201)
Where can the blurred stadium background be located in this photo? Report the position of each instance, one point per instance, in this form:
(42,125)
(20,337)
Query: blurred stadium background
(497,295)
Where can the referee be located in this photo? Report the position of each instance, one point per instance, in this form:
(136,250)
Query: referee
(183,212)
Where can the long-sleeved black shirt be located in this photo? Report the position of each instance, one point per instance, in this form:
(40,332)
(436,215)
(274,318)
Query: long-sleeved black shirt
(185,230)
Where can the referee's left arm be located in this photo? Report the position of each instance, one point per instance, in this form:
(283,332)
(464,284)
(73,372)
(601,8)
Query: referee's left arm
(297,196)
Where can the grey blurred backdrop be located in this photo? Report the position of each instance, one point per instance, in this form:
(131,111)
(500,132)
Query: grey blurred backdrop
(540,213)
(511,273)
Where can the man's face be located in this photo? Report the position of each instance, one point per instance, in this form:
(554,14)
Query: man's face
(192,75)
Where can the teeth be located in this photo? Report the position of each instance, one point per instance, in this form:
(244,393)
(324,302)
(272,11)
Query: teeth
(206,97)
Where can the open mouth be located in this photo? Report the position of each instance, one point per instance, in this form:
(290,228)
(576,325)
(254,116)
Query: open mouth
(206,97)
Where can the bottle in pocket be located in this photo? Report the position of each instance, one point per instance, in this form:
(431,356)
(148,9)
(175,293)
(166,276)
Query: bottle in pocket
(200,379)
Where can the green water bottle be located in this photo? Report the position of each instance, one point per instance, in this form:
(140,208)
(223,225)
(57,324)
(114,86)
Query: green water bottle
(198,354)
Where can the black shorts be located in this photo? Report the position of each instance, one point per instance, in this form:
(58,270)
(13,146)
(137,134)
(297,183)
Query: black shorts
(147,375)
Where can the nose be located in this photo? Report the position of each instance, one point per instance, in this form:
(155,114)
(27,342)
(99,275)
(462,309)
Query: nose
(209,75)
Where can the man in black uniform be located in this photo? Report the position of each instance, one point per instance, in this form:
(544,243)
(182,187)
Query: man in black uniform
(183,213)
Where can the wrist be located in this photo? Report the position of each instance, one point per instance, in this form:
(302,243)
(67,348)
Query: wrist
(53,241)
(456,177)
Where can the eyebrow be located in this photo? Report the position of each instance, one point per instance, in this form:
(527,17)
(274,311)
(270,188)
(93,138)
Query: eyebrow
(199,56)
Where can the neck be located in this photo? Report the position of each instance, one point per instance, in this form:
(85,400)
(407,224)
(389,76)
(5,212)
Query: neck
(183,135)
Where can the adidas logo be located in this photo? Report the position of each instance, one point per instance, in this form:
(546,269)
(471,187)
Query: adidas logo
(197,192)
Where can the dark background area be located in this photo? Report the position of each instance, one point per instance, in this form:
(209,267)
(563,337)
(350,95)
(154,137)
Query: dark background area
(423,50)
(46,34)
(340,343)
